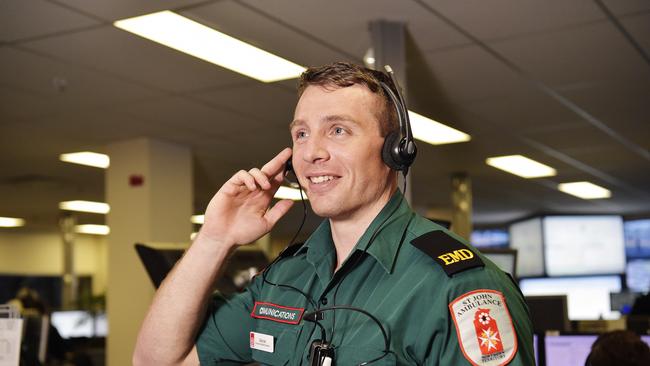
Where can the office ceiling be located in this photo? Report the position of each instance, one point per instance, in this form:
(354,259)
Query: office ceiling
(566,83)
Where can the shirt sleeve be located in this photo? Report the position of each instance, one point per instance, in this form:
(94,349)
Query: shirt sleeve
(482,320)
(224,336)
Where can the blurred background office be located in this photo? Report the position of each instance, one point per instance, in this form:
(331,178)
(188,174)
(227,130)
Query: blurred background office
(120,118)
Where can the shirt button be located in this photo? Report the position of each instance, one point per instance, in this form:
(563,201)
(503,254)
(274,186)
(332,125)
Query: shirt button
(323,301)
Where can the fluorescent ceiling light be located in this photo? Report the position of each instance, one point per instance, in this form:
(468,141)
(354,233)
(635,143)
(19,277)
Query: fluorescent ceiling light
(85,206)
(11,222)
(92,229)
(521,166)
(197,219)
(87,158)
(585,190)
(434,133)
(287,193)
(188,36)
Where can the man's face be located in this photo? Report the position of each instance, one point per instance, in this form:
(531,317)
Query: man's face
(337,150)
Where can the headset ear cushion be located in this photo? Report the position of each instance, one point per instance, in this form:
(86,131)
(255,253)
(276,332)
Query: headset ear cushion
(387,151)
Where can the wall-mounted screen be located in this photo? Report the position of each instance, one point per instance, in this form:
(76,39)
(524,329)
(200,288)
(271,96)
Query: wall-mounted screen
(490,238)
(588,298)
(637,238)
(583,245)
(526,237)
(73,324)
(637,275)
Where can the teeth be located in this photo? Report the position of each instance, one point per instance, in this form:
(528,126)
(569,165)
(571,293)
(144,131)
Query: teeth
(321,179)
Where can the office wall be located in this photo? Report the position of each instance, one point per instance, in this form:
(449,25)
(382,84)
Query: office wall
(41,253)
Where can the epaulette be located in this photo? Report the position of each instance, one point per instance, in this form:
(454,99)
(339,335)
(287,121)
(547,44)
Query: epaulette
(449,252)
(290,250)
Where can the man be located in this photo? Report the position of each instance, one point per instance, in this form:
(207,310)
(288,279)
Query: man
(413,293)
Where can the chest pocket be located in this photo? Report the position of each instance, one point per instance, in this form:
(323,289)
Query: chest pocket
(285,343)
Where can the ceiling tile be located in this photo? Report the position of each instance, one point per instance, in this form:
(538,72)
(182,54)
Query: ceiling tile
(134,58)
(266,104)
(22,19)
(119,9)
(345,24)
(263,32)
(582,54)
(63,86)
(639,28)
(621,7)
(496,19)
(470,73)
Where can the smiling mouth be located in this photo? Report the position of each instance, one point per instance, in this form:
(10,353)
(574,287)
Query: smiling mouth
(322,179)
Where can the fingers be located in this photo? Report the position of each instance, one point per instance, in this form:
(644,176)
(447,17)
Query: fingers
(276,165)
(260,178)
(277,211)
(251,180)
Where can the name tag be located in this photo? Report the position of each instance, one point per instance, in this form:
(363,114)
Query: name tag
(278,313)
(262,342)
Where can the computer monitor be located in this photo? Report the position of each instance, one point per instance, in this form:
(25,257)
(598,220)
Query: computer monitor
(490,238)
(623,301)
(158,262)
(526,238)
(73,323)
(587,297)
(506,259)
(637,238)
(637,275)
(583,245)
(567,350)
(549,313)
(571,350)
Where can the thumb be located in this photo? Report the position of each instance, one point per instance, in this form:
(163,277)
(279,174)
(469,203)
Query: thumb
(277,211)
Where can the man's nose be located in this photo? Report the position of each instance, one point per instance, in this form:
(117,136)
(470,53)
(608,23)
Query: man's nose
(316,150)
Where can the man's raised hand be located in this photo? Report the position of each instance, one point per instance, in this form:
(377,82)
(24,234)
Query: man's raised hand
(239,212)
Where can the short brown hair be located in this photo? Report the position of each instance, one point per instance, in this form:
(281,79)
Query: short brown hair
(345,74)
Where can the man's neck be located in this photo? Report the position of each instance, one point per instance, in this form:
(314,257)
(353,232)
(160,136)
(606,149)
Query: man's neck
(346,232)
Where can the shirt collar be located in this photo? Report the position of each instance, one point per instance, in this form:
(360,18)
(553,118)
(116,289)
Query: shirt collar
(390,224)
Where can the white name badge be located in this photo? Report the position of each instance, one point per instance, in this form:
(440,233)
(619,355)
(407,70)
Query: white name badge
(262,342)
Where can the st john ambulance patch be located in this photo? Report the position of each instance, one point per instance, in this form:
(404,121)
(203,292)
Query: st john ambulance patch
(484,328)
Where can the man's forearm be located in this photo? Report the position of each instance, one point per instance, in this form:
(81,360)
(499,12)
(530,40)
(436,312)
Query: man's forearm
(169,329)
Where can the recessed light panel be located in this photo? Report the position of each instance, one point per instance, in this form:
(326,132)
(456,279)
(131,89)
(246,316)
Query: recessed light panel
(92,229)
(195,39)
(521,166)
(585,190)
(11,222)
(433,132)
(87,158)
(85,206)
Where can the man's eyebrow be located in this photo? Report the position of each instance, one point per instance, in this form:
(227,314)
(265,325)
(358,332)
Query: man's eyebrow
(330,118)
(340,117)
(295,123)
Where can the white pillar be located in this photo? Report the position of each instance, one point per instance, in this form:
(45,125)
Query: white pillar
(149,189)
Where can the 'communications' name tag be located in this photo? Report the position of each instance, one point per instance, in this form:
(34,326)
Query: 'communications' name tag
(277,313)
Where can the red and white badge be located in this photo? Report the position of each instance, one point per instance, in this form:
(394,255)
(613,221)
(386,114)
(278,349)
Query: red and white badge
(484,327)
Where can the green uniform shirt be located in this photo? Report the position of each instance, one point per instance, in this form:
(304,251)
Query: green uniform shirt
(407,290)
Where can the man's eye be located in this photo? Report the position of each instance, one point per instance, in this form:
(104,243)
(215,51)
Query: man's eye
(301,134)
(339,130)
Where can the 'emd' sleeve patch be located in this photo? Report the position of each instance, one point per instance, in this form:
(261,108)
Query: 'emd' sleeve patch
(450,253)
(484,328)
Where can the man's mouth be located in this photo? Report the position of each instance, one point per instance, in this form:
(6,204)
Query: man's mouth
(321,179)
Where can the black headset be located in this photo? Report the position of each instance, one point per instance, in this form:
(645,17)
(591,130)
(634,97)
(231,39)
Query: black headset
(399,148)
